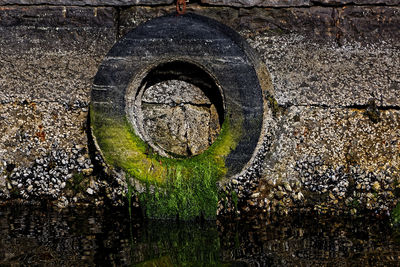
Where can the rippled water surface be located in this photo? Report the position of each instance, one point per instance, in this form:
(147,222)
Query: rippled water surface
(78,237)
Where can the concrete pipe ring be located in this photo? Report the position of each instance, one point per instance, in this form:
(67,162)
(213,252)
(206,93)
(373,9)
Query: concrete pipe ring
(179,90)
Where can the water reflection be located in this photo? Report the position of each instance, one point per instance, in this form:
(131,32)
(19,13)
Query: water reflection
(37,236)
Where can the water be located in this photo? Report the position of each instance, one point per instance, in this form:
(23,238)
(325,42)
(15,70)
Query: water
(39,236)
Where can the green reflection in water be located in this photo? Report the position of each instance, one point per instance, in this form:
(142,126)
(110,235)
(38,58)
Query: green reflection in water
(164,243)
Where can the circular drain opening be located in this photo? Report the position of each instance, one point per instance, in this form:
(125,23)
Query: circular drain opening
(189,47)
(178,109)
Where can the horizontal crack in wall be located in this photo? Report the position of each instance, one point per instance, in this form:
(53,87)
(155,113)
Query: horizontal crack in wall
(360,107)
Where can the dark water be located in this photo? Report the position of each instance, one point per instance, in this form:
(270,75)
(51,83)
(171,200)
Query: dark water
(32,236)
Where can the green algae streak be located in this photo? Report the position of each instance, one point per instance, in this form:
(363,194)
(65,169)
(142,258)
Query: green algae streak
(183,188)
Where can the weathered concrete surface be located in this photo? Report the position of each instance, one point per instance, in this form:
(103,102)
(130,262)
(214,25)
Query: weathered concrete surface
(335,146)
(332,156)
(357,2)
(175,93)
(368,24)
(229,3)
(52,53)
(291,3)
(323,74)
(86,2)
(182,130)
(364,24)
(315,21)
(258,3)
(41,146)
(334,136)
(57,16)
(179,117)
(48,57)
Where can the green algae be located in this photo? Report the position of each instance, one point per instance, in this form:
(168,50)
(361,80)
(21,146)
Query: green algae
(162,261)
(77,183)
(179,244)
(183,188)
(396,215)
(184,196)
(123,149)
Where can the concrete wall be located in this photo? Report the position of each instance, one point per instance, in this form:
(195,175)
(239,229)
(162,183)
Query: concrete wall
(333,139)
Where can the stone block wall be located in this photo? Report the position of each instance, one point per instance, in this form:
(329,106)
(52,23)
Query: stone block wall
(333,135)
